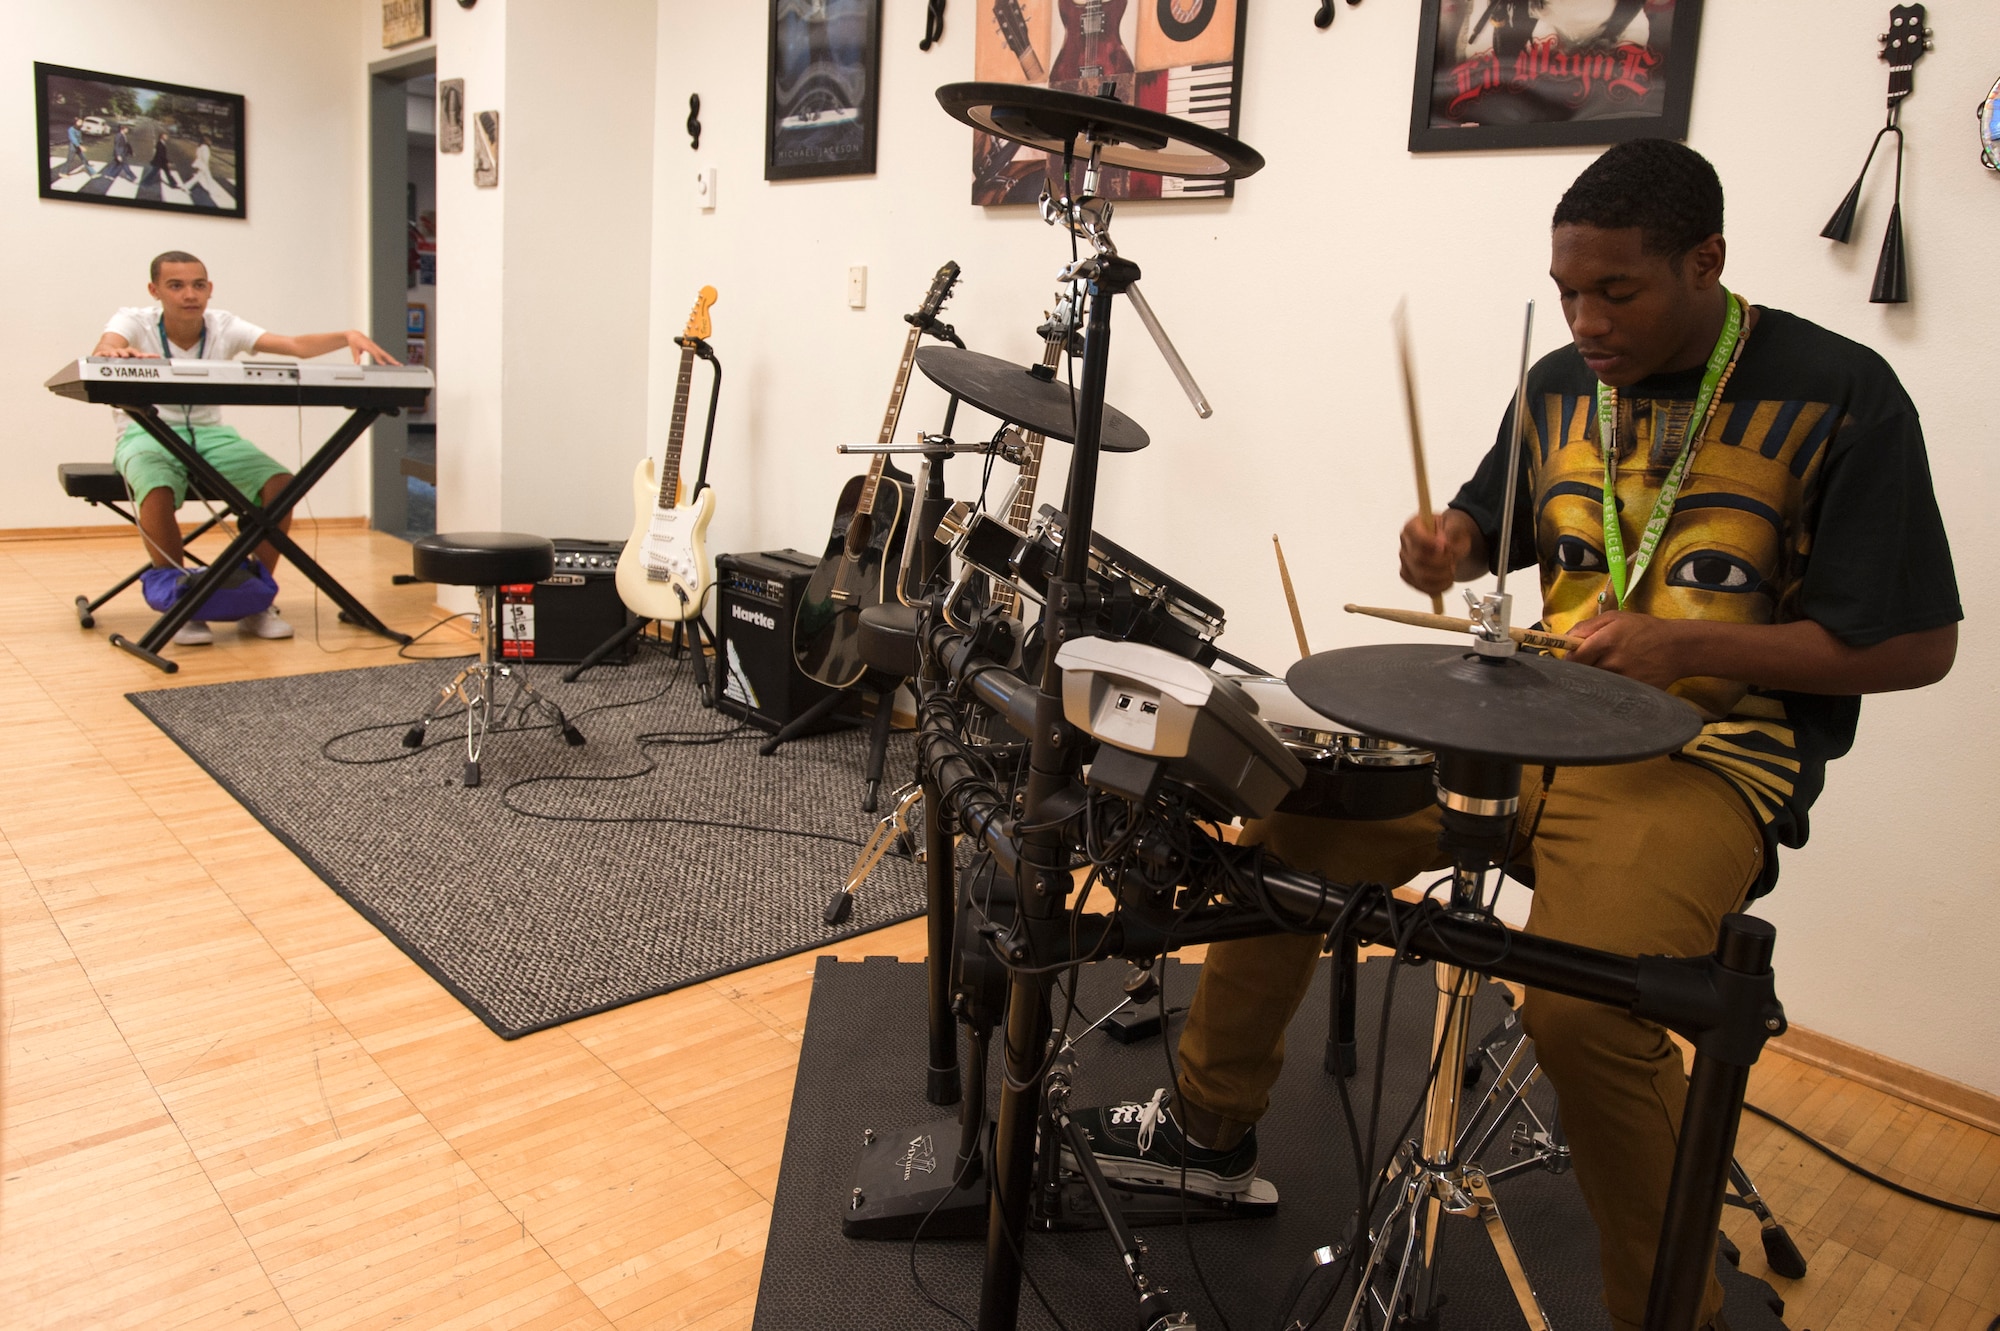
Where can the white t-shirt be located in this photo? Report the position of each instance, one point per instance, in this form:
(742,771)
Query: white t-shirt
(227,338)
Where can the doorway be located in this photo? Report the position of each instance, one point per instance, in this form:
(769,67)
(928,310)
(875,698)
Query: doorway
(403,283)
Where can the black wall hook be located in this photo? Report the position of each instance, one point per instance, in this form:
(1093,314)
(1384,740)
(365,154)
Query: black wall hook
(694,120)
(933,25)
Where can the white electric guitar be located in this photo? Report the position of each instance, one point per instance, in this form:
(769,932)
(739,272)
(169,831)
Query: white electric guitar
(663,572)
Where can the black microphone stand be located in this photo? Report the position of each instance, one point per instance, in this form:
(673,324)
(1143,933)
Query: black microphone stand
(690,634)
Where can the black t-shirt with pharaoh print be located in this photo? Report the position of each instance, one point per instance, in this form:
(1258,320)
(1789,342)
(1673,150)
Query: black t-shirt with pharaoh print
(1809,497)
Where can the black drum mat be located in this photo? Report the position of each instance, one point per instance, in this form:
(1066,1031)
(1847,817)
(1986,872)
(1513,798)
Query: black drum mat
(576,893)
(863,1067)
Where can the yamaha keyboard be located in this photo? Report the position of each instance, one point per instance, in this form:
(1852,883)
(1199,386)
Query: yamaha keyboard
(133,381)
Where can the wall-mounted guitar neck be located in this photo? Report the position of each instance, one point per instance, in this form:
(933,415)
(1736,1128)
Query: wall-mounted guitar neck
(663,572)
(1058,332)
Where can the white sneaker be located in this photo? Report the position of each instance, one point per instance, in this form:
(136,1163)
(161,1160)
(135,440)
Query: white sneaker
(194,633)
(266,624)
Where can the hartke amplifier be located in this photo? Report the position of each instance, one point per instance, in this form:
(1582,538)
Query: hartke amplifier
(569,614)
(757,599)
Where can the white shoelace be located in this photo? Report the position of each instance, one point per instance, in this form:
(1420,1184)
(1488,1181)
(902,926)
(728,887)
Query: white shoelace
(1150,1116)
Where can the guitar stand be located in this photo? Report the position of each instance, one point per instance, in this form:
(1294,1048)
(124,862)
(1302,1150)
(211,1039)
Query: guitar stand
(255,525)
(690,635)
(702,637)
(884,691)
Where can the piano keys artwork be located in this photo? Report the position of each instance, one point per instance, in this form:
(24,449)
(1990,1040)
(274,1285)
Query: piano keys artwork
(1183,57)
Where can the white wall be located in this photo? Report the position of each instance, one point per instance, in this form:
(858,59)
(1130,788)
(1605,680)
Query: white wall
(293,266)
(577,137)
(1281,299)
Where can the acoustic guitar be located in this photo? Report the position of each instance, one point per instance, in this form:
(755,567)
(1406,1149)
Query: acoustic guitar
(867,538)
(663,572)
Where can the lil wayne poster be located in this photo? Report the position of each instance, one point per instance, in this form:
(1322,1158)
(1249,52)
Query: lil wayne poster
(1525,73)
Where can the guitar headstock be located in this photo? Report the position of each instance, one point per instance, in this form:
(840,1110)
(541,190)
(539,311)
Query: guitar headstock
(934,299)
(1013,24)
(697,325)
(1903,45)
(1062,325)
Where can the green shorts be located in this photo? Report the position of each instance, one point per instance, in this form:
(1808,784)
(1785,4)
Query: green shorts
(147,466)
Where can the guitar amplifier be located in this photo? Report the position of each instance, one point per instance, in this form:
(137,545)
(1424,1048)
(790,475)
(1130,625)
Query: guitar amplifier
(569,614)
(756,601)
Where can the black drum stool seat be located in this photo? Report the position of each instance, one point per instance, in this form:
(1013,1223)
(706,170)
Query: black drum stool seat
(487,561)
(888,639)
(483,558)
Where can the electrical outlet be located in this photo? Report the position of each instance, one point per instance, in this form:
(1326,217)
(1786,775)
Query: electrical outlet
(704,188)
(857,287)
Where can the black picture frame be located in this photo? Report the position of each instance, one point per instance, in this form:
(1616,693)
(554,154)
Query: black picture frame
(1599,76)
(119,103)
(821,90)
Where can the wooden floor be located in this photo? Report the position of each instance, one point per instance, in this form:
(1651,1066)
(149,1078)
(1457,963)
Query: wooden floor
(228,1101)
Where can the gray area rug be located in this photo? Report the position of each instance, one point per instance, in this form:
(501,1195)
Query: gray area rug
(573,880)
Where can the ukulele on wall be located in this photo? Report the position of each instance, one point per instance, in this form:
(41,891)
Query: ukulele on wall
(867,536)
(1903,45)
(663,570)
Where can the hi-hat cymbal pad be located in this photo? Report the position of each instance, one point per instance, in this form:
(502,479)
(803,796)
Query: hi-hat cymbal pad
(1125,136)
(1023,397)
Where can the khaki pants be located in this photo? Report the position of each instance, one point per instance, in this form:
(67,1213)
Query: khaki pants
(1640,858)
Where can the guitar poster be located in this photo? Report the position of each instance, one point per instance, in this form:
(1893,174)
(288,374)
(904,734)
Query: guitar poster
(1183,57)
(1530,73)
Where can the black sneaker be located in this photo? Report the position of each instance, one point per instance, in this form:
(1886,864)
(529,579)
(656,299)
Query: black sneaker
(1141,1144)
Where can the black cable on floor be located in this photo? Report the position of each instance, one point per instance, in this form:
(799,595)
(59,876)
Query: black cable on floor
(1873,1177)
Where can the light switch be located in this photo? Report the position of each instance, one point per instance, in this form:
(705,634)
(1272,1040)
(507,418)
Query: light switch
(704,188)
(857,287)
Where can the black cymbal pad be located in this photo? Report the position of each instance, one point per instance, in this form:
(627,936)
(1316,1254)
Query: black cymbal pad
(1527,708)
(1127,136)
(1015,393)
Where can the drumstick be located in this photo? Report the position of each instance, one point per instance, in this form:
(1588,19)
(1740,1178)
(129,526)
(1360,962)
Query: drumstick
(1526,637)
(1416,434)
(1291,597)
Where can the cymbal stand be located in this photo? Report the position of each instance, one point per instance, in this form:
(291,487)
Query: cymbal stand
(1432,1178)
(1043,881)
(1480,797)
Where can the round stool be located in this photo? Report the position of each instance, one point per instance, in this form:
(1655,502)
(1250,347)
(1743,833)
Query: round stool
(487,561)
(888,638)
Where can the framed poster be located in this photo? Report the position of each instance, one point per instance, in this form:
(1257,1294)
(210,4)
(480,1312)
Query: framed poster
(1183,57)
(486,150)
(451,115)
(138,143)
(405,21)
(821,91)
(1532,73)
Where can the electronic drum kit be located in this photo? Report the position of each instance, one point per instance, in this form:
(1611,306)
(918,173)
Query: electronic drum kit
(1380,731)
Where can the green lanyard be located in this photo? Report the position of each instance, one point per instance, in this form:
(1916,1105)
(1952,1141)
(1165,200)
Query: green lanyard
(1705,403)
(200,353)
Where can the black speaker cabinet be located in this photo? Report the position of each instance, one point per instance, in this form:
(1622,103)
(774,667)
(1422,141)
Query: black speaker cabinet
(756,600)
(566,616)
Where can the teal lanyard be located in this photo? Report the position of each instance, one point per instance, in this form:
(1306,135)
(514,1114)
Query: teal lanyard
(200,353)
(1705,403)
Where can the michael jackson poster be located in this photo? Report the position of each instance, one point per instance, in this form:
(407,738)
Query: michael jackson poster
(1528,73)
